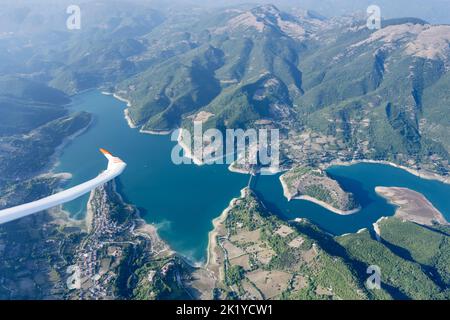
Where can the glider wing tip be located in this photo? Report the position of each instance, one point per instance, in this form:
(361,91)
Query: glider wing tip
(105,152)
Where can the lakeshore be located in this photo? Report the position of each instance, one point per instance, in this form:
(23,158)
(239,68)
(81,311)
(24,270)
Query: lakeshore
(162,132)
(419,173)
(324,166)
(377,229)
(412,206)
(182,211)
(214,259)
(185,211)
(126,111)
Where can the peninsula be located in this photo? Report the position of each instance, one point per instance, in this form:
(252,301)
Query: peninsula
(314,185)
(412,206)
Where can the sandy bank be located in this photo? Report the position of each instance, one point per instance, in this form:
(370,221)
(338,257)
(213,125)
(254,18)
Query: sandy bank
(131,124)
(327,206)
(213,262)
(150,231)
(412,206)
(153,132)
(126,112)
(128,102)
(377,229)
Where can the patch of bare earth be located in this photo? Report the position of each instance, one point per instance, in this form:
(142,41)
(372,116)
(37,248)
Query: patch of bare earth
(270,283)
(200,284)
(202,116)
(299,282)
(412,206)
(284,231)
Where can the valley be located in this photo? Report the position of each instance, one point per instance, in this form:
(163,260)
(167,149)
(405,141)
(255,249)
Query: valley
(364,153)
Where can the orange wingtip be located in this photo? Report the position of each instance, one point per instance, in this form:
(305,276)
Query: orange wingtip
(104,151)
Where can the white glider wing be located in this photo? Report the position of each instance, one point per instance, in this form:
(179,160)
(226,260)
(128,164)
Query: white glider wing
(114,169)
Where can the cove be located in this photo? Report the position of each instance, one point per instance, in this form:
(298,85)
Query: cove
(182,200)
(361,179)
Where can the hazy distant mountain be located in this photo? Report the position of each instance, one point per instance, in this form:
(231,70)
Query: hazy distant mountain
(26,104)
(435,11)
(380,93)
(337,91)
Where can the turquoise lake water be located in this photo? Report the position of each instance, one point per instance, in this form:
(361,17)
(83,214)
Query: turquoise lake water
(182,200)
(360,179)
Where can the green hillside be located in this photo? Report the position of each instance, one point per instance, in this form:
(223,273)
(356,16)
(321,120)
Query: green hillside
(271,259)
(309,263)
(377,98)
(26,104)
(370,94)
(408,271)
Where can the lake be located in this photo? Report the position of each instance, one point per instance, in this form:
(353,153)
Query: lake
(182,200)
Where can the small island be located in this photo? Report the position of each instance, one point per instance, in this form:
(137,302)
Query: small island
(314,185)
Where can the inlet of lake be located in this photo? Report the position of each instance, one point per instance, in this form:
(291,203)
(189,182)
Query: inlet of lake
(182,200)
